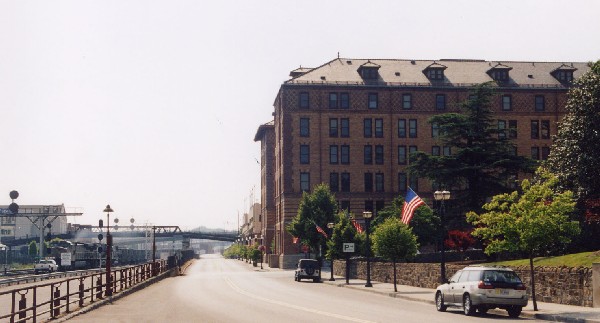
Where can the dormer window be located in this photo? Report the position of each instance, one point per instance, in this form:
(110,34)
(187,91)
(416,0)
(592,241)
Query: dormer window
(499,72)
(435,72)
(369,71)
(564,73)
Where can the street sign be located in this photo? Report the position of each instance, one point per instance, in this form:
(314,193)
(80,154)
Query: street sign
(348,247)
(5,212)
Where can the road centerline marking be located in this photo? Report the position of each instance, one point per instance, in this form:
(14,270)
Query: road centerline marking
(296,307)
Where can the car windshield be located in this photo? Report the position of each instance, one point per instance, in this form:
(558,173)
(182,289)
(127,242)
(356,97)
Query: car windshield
(500,276)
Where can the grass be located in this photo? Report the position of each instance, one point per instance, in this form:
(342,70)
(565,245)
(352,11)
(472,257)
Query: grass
(584,259)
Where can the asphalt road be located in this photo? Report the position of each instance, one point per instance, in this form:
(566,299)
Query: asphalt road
(214,289)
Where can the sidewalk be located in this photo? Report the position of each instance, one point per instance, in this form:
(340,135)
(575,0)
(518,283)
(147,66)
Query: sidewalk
(546,311)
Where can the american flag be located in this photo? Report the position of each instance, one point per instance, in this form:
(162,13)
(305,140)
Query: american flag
(321,231)
(411,202)
(357,226)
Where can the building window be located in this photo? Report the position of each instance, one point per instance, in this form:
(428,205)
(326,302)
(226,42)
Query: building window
(402,180)
(333,127)
(501,129)
(413,182)
(373,100)
(345,182)
(369,205)
(345,205)
(412,128)
(401,128)
(379,128)
(379,205)
(411,150)
(304,182)
(435,150)
(304,100)
(447,150)
(344,127)
(401,155)
(506,103)
(304,127)
(435,130)
(499,75)
(368,182)
(406,101)
(535,129)
(540,103)
(333,154)
(440,101)
(368,152)
(379,155)
(564,76)
(344,100)
(379,187)
(368,128)
(304,154)
(545,129)
(545,152)
(512,129)
(345,154)
(334,180)
(535,153)
(333,100)
(435,74)
(369,73)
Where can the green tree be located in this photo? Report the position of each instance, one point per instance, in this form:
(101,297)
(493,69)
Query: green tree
(528,222)
(33,249)
(394,240)
(425,223)
(575,154)
(343,232)
(482,159)
(316,208)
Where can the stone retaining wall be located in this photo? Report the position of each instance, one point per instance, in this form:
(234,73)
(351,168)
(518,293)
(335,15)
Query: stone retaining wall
(561,285)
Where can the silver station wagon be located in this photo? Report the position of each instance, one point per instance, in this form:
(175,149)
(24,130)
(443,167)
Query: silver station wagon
(477,288)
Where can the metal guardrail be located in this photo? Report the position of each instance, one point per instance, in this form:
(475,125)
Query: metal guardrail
(47,301)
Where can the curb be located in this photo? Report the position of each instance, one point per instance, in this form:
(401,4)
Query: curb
(553,317)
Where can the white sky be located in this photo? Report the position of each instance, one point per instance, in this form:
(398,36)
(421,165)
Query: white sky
(152,106)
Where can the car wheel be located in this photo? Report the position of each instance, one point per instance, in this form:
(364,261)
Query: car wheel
(468,305)
(514,311)
(439,302)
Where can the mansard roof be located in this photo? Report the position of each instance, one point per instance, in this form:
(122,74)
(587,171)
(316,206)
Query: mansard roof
(457,72)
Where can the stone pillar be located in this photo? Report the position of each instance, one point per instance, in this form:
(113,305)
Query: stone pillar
(596,284)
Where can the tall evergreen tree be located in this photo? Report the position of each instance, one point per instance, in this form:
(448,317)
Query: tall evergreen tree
(482,159)
(316,208)
(575,155)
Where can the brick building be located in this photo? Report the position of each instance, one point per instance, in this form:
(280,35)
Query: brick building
(351,123)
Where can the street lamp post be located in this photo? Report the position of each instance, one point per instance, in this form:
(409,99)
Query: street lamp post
(330,225)
(368,215)
(108,210)
(442,196)
(153,250)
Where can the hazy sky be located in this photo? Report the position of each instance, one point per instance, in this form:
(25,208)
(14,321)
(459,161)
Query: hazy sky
(152,106)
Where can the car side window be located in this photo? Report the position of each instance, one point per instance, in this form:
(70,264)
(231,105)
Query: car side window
(464,277)
(454,278)
(474,275)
